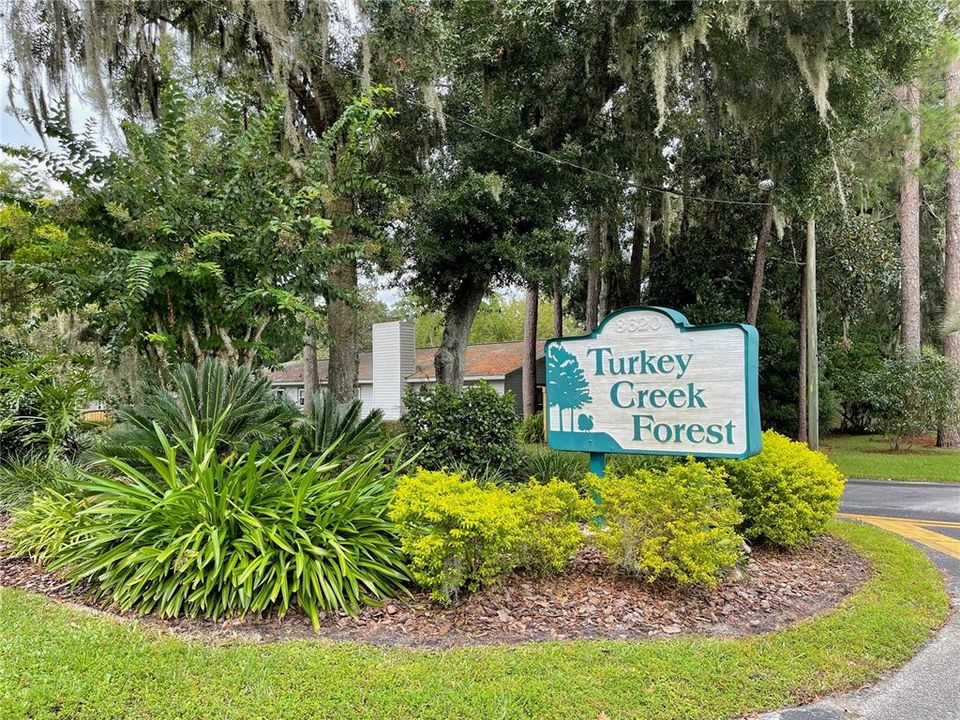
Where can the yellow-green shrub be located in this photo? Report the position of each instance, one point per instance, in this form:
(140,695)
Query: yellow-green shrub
(458,534)
(788,493)
(551,517)
(678,524)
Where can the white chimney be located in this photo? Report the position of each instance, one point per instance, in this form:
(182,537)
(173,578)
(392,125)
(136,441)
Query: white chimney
(394,358)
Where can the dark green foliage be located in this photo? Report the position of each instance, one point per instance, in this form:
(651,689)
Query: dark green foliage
(544,464)
(23,478)
(531,430)
(243,406)
(337,430)
(474,429)
(40,401)
(912,396)
(200,535)
(849,367)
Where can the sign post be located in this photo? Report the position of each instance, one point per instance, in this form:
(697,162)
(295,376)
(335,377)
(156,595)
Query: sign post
(647,382)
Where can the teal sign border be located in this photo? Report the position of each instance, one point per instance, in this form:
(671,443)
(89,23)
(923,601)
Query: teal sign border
(588,443)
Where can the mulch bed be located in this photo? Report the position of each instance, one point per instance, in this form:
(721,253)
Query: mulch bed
(591,600)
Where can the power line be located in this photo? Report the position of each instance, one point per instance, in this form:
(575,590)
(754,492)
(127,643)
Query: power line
(509,141)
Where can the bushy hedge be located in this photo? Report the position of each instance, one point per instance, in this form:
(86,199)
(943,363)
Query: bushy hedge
(198,534)
(458,534)
(474,429)
(788,493)
(678,524)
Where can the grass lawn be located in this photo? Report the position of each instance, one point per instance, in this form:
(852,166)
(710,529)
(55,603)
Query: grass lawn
(869,456)
(60,662)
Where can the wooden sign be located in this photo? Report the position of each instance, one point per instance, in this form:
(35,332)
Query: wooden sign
(648,382)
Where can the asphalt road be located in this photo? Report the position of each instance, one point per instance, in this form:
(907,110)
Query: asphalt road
(927,687)
(929,501)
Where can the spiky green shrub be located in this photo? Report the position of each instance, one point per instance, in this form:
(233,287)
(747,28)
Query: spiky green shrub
(460,534)
(244,406)
(530,431)
(679,524)
(22,478)
(42,529)
(202,535)
(340,430)
(788,492)
(544,464)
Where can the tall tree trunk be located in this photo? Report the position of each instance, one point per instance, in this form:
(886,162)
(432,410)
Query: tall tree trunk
(529,371)
(557,310)
(641,232)
(951,270)
(802,365)
(342,318)
(813,348)
(594,234)
(760,261)
(311,376)
(450,359)
(606,262)
(910,224)
(655,253)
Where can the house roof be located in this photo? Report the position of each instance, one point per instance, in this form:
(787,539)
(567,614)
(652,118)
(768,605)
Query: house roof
(482,361)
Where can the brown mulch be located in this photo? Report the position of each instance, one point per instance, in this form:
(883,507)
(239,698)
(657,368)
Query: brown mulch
(591,600)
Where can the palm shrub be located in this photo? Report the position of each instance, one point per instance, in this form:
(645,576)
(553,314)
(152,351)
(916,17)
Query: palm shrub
(198,534)
(339,430)
(243,405)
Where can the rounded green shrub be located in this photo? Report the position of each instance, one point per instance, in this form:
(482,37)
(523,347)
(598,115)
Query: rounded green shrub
(678,524)
(788,492)
(474,429)
(551,516)
(455,533)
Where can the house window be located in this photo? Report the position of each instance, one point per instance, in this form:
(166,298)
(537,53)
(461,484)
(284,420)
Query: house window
(300,397)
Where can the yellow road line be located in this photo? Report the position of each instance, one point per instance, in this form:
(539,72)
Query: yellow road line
(913,530)
(940,523)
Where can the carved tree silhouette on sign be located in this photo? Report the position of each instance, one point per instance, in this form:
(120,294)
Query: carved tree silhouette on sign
(567,387)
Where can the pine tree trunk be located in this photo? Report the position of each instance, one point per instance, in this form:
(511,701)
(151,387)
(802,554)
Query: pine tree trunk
(606,253)
(450,359)
(529,371)
(557,310)
(311,379)
(760,262)
(594,234)
(655,253)
(951,271)
(910,224)
(641,231)
(342,319)
(813,348)
(802,369)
